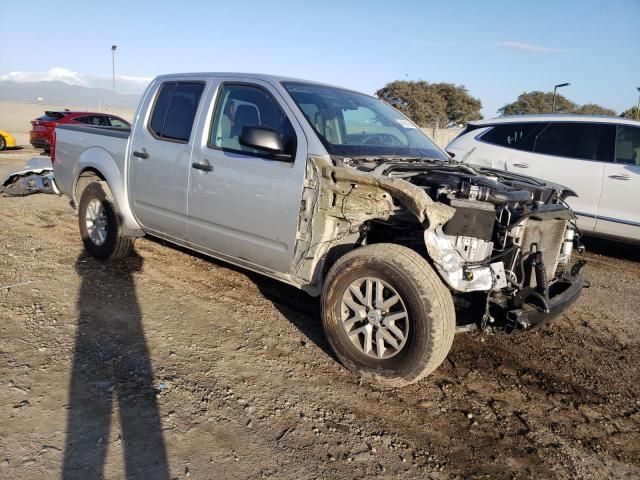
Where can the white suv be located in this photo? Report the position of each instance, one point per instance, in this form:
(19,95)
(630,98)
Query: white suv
(598,157)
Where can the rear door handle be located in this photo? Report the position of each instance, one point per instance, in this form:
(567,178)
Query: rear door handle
(620,177)
(141,154)
(205,166)
(521,165)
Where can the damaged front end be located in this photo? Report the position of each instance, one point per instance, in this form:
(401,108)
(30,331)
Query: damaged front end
(501,242)
(511,238)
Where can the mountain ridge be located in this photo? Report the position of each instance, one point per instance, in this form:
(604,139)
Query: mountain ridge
(58,92)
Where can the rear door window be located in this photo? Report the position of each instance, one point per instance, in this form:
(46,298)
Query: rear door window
(160,108)
(175,110)
(586,141)
(117,122)
(628,145)
(95,120)
(513,135)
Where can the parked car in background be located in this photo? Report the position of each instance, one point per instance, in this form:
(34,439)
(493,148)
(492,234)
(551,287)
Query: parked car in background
(596,156)
(6,140)
(41,134)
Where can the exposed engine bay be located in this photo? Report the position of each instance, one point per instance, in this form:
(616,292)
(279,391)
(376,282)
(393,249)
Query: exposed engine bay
(499,240)
(509,233)
(497,217)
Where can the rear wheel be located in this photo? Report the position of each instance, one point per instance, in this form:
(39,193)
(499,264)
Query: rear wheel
(99,223)
(3,143)
(387,315)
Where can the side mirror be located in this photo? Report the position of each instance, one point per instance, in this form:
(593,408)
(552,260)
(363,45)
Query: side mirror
(266,140)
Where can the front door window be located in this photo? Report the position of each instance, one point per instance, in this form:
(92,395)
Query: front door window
(241,106)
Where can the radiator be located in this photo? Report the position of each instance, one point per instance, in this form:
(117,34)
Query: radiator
(549,235)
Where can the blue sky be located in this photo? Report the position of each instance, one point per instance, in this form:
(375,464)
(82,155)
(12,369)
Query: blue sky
(497,49)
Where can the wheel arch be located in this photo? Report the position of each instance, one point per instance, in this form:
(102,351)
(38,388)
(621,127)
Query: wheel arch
(96,164)
(84,178)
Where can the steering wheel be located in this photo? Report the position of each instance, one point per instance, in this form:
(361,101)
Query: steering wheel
(380,139)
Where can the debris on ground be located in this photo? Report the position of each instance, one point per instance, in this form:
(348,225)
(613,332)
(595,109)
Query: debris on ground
(35,177)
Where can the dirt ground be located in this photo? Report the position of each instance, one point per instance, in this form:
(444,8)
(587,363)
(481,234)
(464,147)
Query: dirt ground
(169,365)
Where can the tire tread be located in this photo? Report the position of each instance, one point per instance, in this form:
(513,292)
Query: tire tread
(123,245)
(430,286)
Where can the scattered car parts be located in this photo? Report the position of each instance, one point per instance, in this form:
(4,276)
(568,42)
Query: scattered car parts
(35,177)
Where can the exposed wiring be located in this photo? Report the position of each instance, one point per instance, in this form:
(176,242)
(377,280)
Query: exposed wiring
(344,201)
(513,279)
(492,259)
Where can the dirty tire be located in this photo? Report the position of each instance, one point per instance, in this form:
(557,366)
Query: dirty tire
(429,305)
(116,245)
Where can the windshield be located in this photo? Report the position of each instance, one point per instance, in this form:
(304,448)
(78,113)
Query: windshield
(352,124)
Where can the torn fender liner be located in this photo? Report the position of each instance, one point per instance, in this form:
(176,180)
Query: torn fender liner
(414,198)
(338,200)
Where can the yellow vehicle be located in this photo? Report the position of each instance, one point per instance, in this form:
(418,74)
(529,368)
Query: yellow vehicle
(6,140)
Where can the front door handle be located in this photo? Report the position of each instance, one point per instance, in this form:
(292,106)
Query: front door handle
(521,165)
(141,153)
(621,176)
(205,166)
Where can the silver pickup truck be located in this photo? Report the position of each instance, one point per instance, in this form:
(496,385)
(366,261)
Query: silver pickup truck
(336,193)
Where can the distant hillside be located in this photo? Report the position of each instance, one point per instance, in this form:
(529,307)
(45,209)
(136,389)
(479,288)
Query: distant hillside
(56,92)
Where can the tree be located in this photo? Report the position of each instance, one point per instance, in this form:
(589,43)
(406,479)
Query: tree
(632,113)
(593,109)
(428,104)
(416,100)
(542,102)
(537,102)
(461,107)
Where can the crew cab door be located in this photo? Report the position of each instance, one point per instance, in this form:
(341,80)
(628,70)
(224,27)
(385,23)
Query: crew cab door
(573,154)
(160,151)
(243,203)
(619,210)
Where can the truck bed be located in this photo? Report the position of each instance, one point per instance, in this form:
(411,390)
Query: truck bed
(78,147)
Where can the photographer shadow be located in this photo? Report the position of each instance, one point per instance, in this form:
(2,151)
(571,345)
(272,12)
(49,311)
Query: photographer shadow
(111,366)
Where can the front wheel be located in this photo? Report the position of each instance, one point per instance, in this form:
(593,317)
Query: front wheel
(100,224)
(387,315)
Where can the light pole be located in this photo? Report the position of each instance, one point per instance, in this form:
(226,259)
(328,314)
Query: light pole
(560,85)
(638,107)
(113,75)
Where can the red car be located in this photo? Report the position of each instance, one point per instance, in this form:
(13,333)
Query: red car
(41,135)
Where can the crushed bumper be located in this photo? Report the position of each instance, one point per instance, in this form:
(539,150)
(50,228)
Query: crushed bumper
(562,294)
